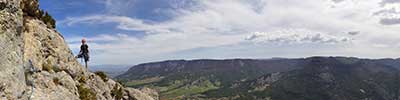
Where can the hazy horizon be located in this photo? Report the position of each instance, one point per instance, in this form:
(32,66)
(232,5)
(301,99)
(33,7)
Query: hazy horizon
(270,58)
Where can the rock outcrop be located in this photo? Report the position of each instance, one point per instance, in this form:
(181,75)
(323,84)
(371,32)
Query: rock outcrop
(36,63)
(11,65)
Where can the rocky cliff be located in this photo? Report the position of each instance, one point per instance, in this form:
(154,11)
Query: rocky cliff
(36,63)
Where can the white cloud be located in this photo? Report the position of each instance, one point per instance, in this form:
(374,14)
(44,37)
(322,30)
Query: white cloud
(384,2)
(124,23)
(296,36)
(389,12)
(216,23)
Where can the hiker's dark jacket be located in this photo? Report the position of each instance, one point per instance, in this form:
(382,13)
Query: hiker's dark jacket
(84,49)
(84,53)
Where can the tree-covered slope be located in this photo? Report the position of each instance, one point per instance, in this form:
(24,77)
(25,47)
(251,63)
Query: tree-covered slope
(184,78)
(315,78)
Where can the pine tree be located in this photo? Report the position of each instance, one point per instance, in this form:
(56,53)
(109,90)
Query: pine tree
(48,20)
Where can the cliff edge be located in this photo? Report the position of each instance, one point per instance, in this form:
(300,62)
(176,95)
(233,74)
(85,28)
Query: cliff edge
(36,62)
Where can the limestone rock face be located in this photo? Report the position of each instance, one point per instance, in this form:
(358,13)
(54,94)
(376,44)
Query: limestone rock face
(152,93)
(134,93)
(12,84)
(36,64)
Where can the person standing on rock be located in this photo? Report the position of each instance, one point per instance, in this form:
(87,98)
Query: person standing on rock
(84,52)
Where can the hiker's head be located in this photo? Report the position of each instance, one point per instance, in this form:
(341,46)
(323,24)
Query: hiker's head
(83,41)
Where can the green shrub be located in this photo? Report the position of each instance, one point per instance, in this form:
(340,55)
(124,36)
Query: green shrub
(48,20)
(47,66)
(31,9)
(122,82)
(57,69)
(102,75)
(3,5)
(85,93)
(56,81)
(117,92)
(82,80)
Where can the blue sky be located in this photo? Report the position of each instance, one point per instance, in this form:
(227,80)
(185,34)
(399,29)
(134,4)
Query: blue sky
(139,31)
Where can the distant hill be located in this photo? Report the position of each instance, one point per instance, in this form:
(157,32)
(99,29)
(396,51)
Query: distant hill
(110,70)
(314,78)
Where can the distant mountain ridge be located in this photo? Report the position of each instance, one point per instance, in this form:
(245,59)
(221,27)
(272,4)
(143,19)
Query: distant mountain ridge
(173,66)
(313,78)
